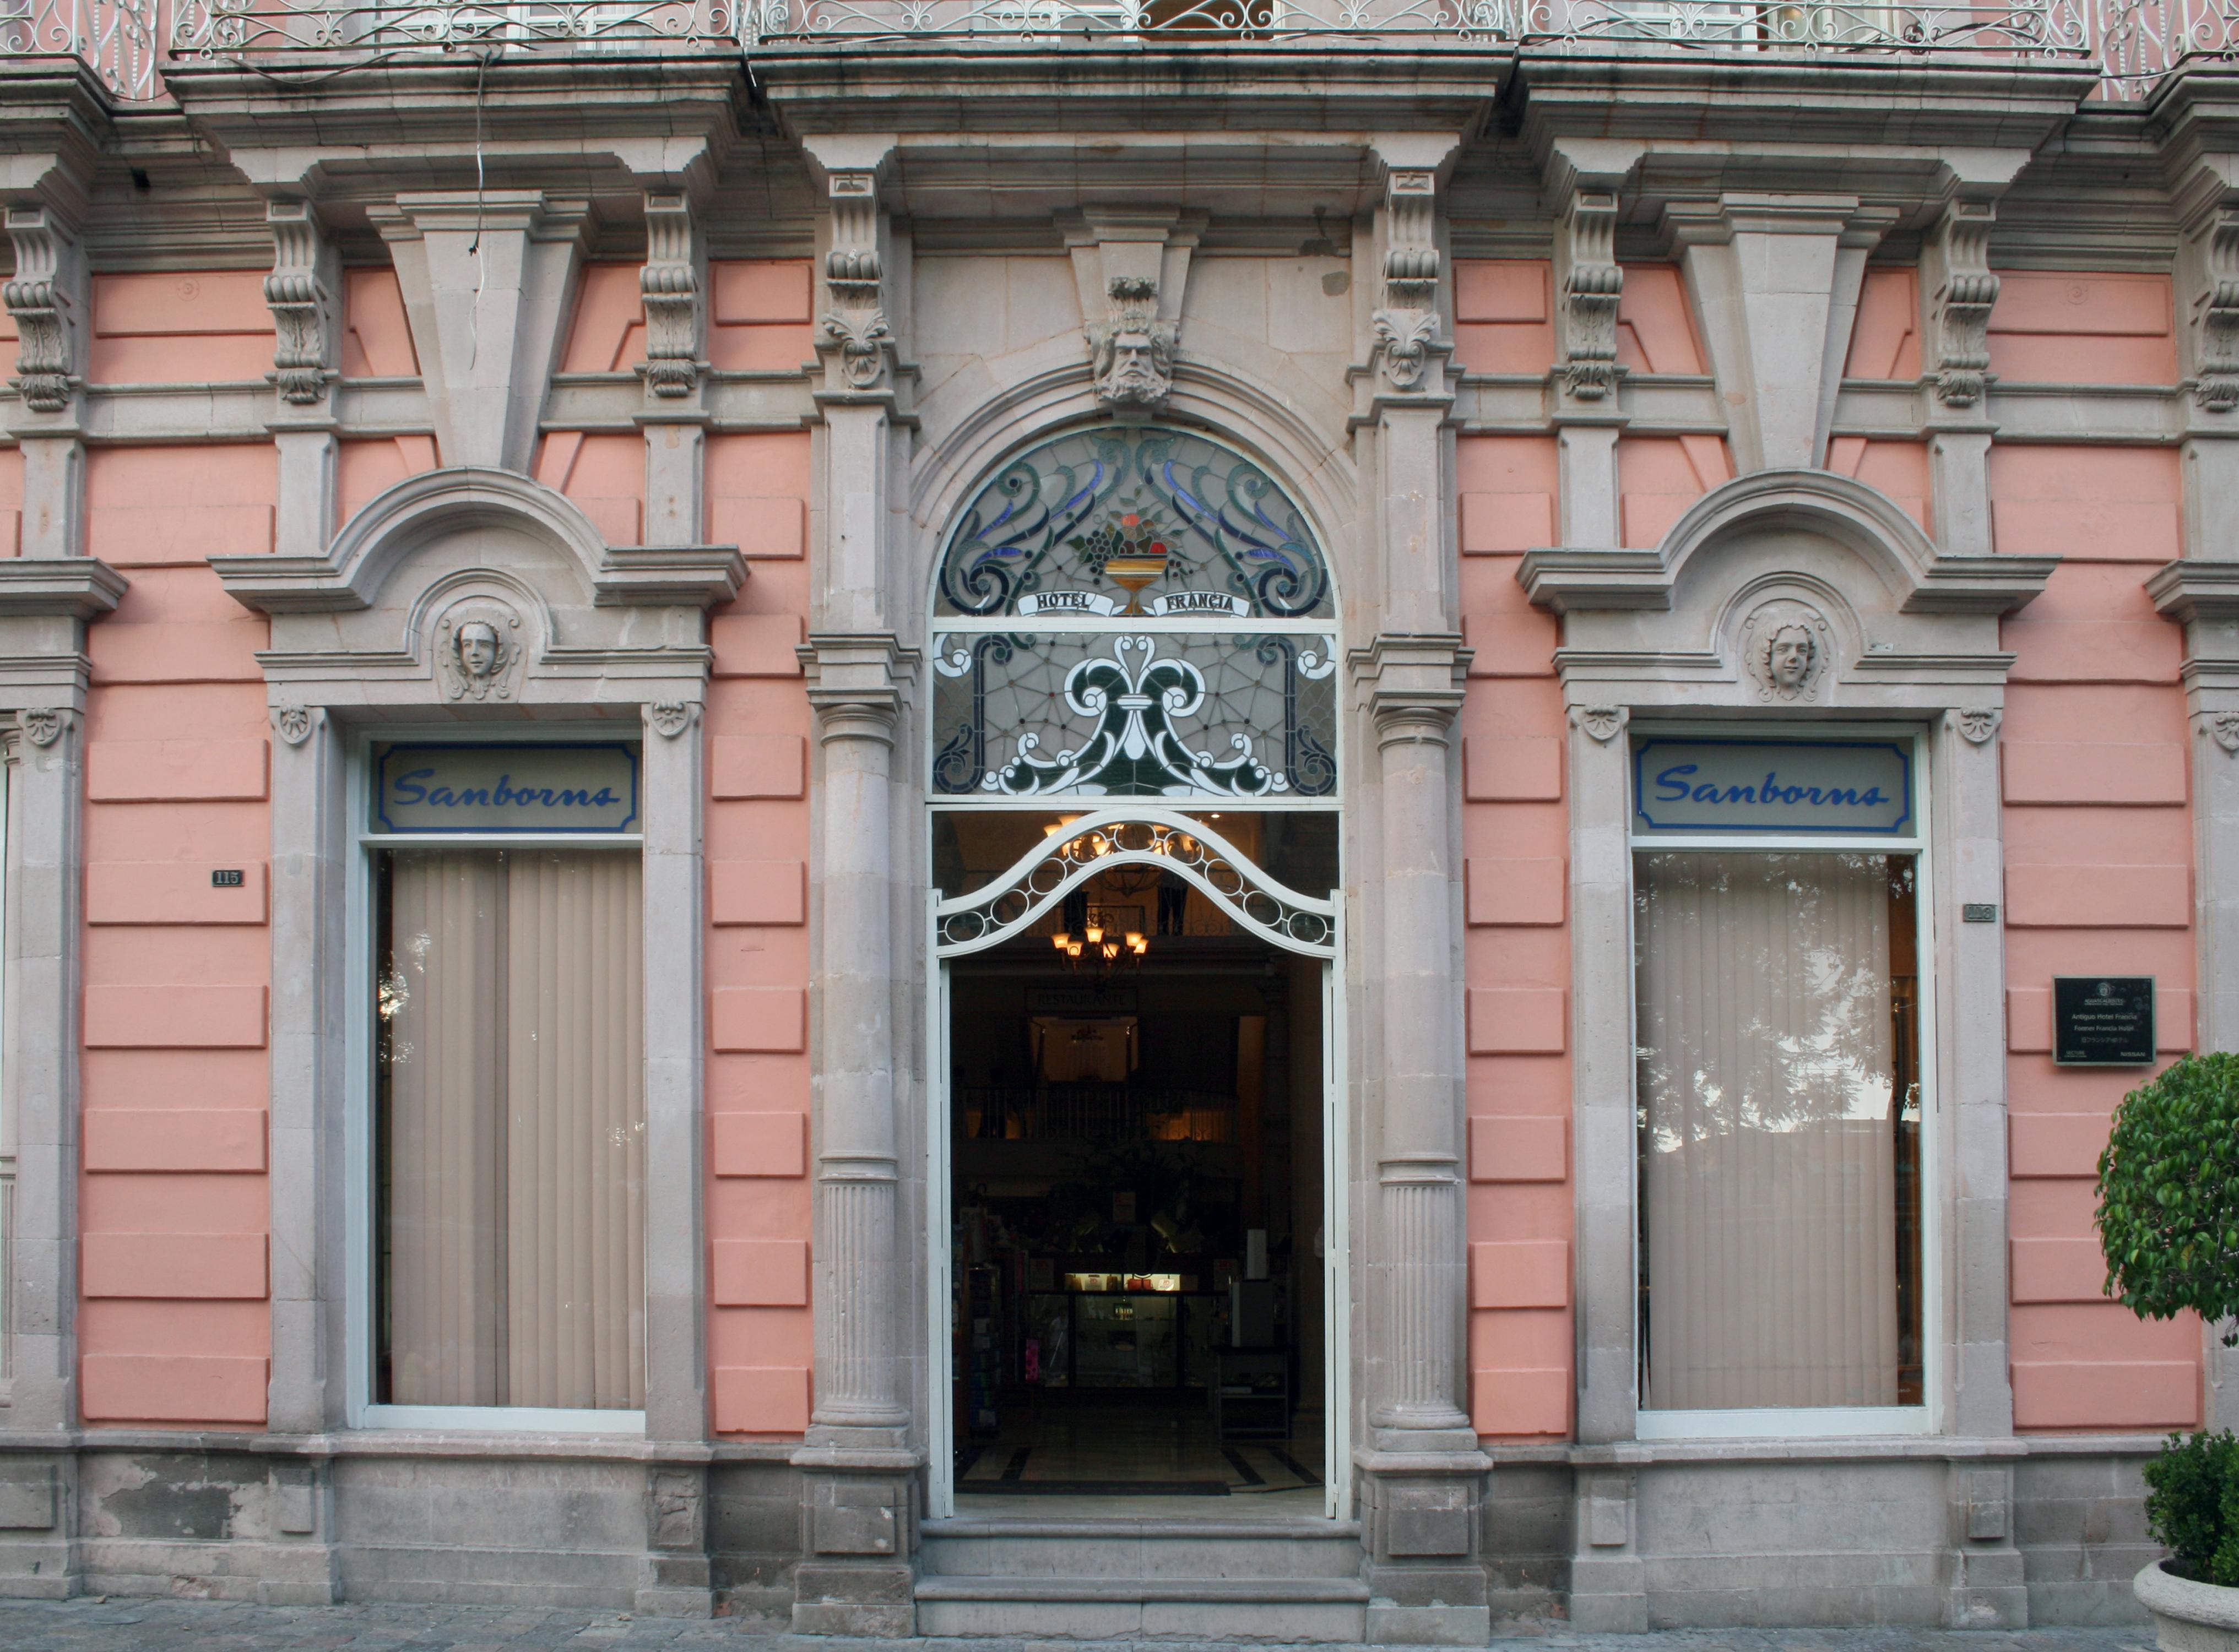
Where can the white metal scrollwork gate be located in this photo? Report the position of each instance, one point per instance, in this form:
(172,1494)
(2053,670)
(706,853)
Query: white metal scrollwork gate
(1010,905)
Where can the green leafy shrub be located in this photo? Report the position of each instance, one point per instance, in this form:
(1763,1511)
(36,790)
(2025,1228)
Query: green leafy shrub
(2169,1193)
(2168,1225)
(2192,1506)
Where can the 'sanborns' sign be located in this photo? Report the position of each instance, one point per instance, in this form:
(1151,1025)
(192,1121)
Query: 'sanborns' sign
(1785,788)
(483,789)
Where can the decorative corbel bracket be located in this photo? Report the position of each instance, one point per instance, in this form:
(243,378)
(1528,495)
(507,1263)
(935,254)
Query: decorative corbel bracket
(300,292)
(1960,306)
(1406,326)
(1132,267)
(673,287)
(2215,311)
(47,298)
(1589,282)
(857,340)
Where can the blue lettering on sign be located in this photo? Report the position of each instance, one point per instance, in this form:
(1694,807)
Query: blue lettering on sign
(1856,787)
(452,789)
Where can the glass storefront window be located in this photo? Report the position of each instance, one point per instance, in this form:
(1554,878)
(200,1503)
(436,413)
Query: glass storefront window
(1780,1115)
(509,1129)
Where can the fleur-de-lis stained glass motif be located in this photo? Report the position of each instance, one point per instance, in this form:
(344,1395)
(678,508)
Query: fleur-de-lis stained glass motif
(1133,612)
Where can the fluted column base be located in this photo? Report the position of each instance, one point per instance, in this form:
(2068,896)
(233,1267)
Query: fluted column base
(859,1519)
(1421,1516)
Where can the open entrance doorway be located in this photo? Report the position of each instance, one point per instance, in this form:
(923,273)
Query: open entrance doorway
(1136,1151)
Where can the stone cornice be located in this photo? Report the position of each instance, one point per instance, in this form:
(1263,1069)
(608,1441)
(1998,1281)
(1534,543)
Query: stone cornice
(1567,580)
(941,87)
(2197,591)
(348,575)
(656,112)
(78,587)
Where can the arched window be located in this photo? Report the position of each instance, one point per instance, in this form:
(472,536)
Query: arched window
(1133,611)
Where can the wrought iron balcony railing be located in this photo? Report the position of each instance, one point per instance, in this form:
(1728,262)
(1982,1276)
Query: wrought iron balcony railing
(127,42)
(219,28)
(117,38)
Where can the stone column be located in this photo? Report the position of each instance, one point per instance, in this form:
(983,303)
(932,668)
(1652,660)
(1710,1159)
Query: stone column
(862,1459)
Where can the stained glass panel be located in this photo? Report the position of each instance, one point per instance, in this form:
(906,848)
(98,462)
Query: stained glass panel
(1128,522)
(1110,714)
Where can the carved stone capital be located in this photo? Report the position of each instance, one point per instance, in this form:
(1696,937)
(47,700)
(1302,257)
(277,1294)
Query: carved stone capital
(671,717)
(1602,723)
(294,722)
(857,683)
(47,298)
(1966,290)
(45,725)
(1977,725)
(300,292)
(673,288)
(1412,684)
(2223,727)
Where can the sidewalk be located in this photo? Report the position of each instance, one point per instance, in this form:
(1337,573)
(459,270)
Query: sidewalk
(89,1625)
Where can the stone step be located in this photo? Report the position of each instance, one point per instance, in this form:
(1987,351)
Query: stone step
(1142,1549)
(1284,1609)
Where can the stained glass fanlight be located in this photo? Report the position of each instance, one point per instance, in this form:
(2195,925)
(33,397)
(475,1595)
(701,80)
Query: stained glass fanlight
(1133,612)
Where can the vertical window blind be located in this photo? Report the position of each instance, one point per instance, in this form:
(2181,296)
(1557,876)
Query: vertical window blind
(512,1129)
(1779,1125)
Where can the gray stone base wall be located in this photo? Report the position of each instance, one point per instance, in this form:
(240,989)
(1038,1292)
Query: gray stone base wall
(1975,1535)
(1527,1540)
(2081,1523)
(2015,1532)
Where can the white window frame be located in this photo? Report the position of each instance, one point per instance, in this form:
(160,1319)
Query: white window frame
(359,1213)
(1817,1422)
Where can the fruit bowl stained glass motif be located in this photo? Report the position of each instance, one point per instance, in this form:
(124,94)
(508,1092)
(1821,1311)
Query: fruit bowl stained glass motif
(1150,520)
(1133,612)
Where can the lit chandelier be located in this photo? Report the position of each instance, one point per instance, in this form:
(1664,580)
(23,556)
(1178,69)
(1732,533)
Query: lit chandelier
(1101,949)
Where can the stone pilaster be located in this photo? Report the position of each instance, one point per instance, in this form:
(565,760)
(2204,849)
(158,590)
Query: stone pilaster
(47,298)
(44,607)
(1588,418)
(1957,291)
(1971,959)
(303,295)
(310,1016)
(674,284)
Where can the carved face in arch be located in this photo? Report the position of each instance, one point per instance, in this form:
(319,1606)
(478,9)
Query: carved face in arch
(480,651)
(1789,656)
(1784,646)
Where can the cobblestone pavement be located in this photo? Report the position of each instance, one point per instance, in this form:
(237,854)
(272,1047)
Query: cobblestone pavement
(91,1625)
